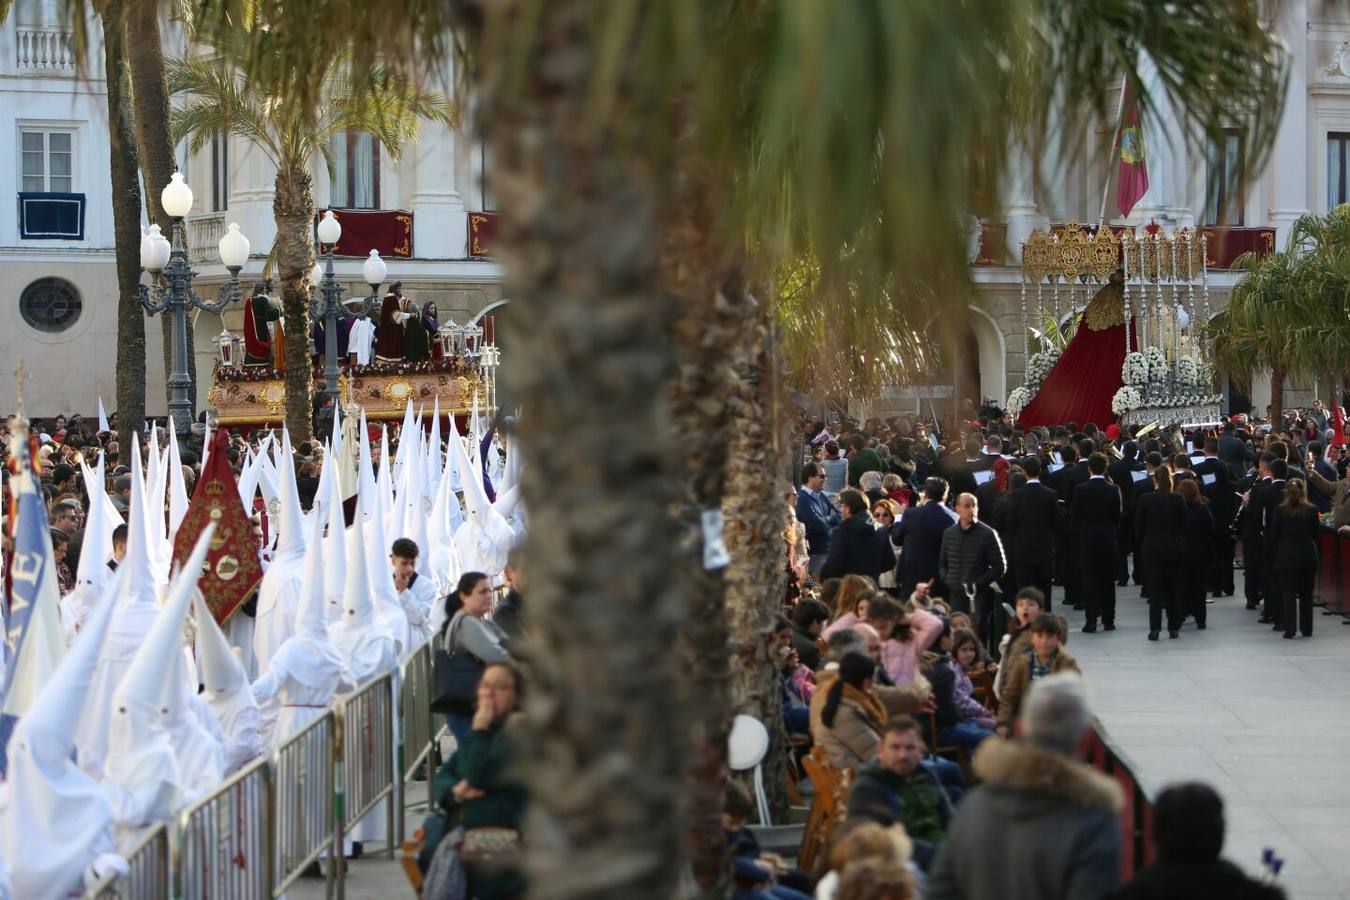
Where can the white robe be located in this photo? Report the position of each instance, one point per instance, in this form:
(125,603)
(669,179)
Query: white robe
(361,341)
(278,602)
(301,682)
(418,603)
(130,624)
(370,652)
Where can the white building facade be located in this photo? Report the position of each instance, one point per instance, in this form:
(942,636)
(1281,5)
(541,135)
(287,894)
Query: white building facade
(59,293)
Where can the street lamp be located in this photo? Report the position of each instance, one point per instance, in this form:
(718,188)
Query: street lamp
(327,301)
(171,289)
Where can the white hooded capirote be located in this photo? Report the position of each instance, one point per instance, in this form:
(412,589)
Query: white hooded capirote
(226,691)
(420,596)
(178,496)
(279,592)
(365,641)
(484,538)
(334,551)
(92,574)
(55,820)
(388,606)
(147,774)
(306,670)
(137,608)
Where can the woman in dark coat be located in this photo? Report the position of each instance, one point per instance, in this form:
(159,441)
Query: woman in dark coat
(1294,532)
(1159,528)
(1199,534)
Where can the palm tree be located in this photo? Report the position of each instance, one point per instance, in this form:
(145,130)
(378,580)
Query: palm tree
(290,135)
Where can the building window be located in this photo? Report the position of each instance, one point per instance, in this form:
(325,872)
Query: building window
(48,161)
(1338,149)
(50,304)
(484,167)
(38,13)
(220,171)
(1223,196)
(356,176)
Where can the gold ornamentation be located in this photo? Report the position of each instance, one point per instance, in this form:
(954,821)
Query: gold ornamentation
(1038,255)
(273,396)
(227,568)
(1105,253)
(1107,307)
(399,390)
(1073,251)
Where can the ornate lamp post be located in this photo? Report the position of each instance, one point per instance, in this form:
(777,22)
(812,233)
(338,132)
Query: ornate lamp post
(171,289)
(327,301)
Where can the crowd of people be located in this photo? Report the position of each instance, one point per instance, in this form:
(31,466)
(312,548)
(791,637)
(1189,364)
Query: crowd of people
(363,558)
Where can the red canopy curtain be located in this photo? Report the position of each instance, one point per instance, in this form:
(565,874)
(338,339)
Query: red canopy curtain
(1080,387)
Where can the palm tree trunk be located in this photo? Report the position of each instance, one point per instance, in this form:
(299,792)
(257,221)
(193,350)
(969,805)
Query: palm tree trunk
(293,209)
(126,209)
(755,516)
(155,142)
(1276,393)
(714,312)
(590,334)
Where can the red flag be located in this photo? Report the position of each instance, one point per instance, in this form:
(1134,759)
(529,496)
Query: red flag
(1337,425)
(1132,182)
(232,570)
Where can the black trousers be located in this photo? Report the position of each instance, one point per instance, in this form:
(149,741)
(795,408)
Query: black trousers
(1274,589)
(1123,541)
(1296,589)
(1253,569)
(1037,575)
(1099,584)
(1195,588)
(1164,579)
(959,602)
(1225,548)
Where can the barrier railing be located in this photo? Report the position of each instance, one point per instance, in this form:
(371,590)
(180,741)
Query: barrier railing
(1332,587)
(304,788)
(1136,815)
(416,733)
(367,754)
(149,875)
(224,840)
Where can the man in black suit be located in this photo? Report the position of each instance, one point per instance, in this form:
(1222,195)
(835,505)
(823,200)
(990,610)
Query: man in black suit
(919,534)
(1121,474)
(1272,495)
(1250,525)
(1094,515)
(1033,519)
(960,468)
(1218,490)
(1234,452)
(1070,477)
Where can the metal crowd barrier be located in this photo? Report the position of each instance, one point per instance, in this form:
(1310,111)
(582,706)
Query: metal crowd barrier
(305,818)
(367,754)
(149,875)
(417,732)
(1136,815)
(224,844)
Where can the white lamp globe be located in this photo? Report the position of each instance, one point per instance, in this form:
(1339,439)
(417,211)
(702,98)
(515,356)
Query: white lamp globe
(233,248)
(177,197)
(316,274)
(155,250)
(330,229)
(374,268)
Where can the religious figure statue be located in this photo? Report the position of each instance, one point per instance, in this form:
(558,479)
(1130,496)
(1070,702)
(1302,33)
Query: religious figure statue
(258,312)
(389,336)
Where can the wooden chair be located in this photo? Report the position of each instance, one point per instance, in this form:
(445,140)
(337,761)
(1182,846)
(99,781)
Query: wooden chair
(827,807)
(928,724)
(982,690)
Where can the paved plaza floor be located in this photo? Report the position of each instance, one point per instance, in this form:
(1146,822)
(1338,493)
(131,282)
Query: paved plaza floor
(1265,721)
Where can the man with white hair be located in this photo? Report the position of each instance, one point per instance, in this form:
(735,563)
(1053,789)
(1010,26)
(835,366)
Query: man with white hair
(1041,824)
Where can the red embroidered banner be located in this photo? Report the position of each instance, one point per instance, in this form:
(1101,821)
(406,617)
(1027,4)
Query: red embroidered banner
(1225,244)
(389,231)
(482,233)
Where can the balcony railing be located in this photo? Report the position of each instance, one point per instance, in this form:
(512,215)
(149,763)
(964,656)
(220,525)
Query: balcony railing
(204,233)
(45,51)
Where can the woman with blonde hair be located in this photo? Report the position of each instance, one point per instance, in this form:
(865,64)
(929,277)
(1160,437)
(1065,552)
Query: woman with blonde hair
(850,603)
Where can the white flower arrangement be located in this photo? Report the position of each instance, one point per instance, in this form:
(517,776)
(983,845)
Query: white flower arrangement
(1157,364)
(1126,400)
(1188,373)
(1135,368)
(1040,364)
(1017,401)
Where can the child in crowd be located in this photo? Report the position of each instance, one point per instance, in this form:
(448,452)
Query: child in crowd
(1028,603)
(966,652)
(955,722)
(983,662)
(416,595)
(1046,657)
(851,603)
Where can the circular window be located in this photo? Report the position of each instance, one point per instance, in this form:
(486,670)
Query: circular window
(50,304)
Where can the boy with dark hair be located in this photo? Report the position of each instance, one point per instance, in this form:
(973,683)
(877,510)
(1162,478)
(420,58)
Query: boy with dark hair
(1047,656)
(755,874)
(416,595)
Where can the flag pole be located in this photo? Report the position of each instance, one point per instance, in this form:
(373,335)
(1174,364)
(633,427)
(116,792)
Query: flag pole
(1115,146)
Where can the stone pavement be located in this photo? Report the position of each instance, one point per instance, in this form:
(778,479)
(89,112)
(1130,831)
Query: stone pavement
(1263,720)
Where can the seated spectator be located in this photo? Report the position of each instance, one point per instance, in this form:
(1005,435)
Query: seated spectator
(898,788)
(797,680)
(954,726)
(808,622)
(1028,603)
(1188,830)
(477,778)
(850,602)
(1045,657)
(756,875)
(911,635)
(1041,824)
(875,879)
(849,710)
(859,842)
(982,661)
(966,653)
